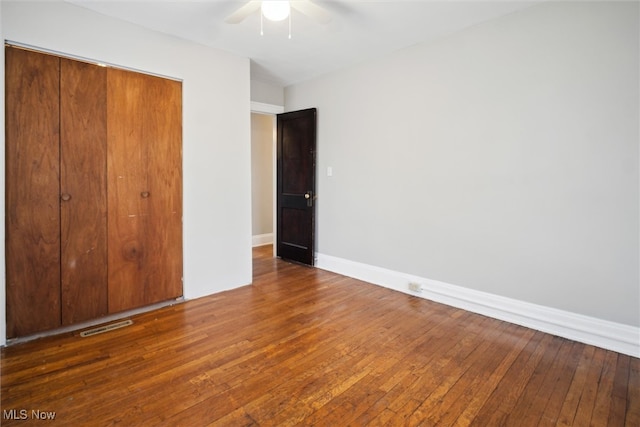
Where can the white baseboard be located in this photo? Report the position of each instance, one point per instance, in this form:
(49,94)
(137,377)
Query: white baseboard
(262,239)
(589,330)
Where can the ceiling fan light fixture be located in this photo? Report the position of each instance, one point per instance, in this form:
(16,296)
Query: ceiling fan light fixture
(275,10)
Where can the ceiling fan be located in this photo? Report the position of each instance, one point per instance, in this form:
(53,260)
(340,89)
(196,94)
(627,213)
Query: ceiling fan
(278,10)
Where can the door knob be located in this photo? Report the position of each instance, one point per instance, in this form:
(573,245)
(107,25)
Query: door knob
(309,196)
(145,194)
(65,197)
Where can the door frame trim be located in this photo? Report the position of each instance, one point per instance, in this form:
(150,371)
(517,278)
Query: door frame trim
(271,110)
(262,108)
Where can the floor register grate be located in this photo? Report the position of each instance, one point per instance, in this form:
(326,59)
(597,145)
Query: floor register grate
(105,328)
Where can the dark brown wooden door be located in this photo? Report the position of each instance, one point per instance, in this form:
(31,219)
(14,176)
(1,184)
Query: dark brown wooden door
(83,186)
(145,189)
(296,171)
(32,191)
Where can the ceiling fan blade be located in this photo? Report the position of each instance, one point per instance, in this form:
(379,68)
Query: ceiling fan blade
(312,10)
(242,12)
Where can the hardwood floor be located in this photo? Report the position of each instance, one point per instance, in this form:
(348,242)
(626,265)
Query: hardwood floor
(308,347)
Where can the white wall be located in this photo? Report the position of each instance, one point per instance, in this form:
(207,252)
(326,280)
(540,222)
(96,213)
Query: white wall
(266,93)
(502,159)
(216,129)
(262,173)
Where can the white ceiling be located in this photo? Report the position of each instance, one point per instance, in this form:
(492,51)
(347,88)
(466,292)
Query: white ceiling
(358,31)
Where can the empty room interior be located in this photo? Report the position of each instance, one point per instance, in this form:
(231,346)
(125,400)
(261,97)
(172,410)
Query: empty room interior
(337,213)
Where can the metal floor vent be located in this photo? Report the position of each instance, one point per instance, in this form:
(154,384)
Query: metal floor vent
(105,328)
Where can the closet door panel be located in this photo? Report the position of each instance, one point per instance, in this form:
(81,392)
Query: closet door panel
(163,131)
(32,191)
(127,179)
(83,142)
(145,189)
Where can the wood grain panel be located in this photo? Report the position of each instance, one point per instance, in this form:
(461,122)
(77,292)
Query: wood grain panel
(32,191)
(126,175)
(145,189)
(83,143)
(308,347)
(163,133)
(297,151)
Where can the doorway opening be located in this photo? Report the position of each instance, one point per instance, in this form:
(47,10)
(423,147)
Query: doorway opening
(263,174)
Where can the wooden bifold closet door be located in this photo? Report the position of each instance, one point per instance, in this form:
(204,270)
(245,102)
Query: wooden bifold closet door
(32,122)
(83,189)
(93,191)
(145,189)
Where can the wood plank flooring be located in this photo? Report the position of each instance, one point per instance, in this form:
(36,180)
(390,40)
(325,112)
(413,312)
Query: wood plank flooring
(303,346)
